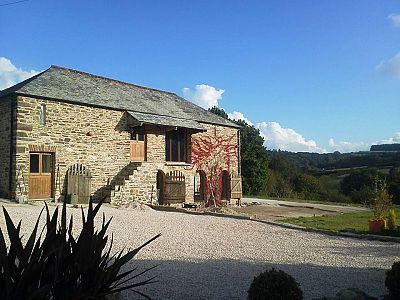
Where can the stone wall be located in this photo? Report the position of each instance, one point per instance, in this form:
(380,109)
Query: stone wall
(99,139)
(5,136)
(214,152)
(94,137)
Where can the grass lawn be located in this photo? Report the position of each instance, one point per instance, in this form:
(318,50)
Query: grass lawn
(305,201)
(357,221)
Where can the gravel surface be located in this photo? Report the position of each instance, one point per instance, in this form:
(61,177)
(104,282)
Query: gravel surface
(205,257)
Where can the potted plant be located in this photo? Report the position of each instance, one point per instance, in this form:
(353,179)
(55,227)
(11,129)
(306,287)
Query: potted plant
(380,207)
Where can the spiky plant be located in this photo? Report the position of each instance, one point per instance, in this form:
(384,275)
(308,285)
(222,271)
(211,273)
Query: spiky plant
(57,266)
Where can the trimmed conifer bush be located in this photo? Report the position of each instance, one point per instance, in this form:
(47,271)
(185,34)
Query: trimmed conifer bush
(274,285)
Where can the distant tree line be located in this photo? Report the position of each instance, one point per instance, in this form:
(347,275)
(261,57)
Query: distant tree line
(385,147)
(337,177)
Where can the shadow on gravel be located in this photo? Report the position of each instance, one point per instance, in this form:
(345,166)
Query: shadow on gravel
(230,279)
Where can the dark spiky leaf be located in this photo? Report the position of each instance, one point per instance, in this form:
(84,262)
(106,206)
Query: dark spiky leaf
(55,265)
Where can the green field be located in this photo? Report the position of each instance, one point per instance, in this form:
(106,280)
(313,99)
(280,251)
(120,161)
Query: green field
(304,201)
(357,221)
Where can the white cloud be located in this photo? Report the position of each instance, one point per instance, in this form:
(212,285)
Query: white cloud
(392,140)
(395,19)
(344,146)
(10,74)
(204,95)
(391,67)
(277,137)
(236,115)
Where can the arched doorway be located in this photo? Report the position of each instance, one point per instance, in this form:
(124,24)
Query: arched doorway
(225,193)
(200,186)
(160,186)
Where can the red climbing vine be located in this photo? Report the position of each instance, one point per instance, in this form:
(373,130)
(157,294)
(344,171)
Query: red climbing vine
(213,154)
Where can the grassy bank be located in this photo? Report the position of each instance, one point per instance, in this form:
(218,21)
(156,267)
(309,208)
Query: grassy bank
(357,221)
(305,201)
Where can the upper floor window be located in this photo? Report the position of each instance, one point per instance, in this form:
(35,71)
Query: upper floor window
(137,134)
(175,145)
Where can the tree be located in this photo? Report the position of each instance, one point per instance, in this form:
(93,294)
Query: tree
(308,186)
(282,165)
(219,112)
(360,185)
(394,184)
(254,159)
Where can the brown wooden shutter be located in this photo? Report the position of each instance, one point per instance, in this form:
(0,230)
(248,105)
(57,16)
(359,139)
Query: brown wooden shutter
(236,187)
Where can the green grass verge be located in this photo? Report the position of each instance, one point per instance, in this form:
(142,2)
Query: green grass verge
(357,221)
(304,201)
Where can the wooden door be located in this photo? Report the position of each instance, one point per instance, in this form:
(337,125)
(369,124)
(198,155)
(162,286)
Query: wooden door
(199,186)
(138,144)
(79,184)
(41,166)
(236,187)
(174,188)
(226,192)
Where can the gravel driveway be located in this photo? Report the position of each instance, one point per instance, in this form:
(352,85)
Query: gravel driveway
(205,257)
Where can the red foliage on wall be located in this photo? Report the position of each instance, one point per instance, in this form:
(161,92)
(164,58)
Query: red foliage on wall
(213,154)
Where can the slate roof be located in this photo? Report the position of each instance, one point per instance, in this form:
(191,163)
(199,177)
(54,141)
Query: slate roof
(64,84)
(165,120)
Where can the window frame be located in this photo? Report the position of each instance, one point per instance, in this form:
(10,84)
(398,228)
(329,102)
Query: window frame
(137,134)
(177,139)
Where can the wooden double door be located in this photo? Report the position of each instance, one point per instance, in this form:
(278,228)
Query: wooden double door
(41,170)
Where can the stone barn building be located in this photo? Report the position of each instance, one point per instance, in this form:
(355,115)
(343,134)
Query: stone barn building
(127,141)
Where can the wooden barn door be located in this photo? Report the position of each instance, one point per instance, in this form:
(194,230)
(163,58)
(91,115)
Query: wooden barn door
(138,144)
(41,166)
(174,188)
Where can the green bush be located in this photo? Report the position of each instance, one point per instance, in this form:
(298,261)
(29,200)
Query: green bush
(336,197)
(382,200)
(274,284)
(392,281)
(391,220)
(58,266)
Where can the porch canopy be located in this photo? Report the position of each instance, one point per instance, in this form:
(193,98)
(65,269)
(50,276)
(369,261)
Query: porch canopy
(139,118)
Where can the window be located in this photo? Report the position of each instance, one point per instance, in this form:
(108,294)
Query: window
(137,134)
(40,163)
(42,114)
(47,163)
(34,163)
(175,145)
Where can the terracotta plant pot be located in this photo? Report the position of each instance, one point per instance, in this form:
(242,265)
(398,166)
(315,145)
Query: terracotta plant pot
(376,225)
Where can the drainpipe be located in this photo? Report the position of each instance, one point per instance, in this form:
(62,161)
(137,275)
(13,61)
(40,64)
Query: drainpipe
(13,107)
(239,158)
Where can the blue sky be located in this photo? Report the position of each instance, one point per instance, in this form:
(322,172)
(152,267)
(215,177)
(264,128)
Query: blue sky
(312,75)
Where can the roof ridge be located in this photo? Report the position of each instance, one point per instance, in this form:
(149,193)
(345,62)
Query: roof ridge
(111,79)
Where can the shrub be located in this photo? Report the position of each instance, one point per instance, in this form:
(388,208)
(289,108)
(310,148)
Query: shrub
(274,284)
(336,197)
(59,266)
(392,281)
(382,200)
(391,221)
